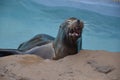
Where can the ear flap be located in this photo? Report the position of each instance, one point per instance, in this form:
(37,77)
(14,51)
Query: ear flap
(81,24)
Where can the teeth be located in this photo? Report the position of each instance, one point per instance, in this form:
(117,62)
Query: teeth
(70,34)
(73,34)
(76,34)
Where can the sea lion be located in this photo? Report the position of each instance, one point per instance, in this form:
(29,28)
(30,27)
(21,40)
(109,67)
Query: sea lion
(64,44)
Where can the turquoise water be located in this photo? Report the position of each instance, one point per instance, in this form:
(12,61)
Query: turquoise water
(20,20)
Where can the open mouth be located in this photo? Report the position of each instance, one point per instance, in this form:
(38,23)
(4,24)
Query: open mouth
(74,32)
(74,29)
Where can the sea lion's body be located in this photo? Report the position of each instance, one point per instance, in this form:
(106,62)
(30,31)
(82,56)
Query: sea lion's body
(45,51)
(30,46)
(64,44)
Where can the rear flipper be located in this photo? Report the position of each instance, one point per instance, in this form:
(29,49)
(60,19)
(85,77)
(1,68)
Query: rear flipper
(7,52)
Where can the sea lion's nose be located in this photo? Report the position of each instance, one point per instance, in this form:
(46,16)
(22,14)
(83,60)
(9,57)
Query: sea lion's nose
(76,21)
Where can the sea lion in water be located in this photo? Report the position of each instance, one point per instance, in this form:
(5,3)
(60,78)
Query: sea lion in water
(64,44)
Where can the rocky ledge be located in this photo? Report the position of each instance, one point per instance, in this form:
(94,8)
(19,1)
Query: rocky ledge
(86,65)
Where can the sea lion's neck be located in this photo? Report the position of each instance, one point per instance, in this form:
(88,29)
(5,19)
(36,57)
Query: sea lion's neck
(62,48)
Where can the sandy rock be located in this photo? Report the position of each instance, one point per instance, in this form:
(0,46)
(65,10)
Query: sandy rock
(86,65)
(100,68)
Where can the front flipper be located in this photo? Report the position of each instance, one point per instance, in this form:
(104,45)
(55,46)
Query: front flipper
(38,40)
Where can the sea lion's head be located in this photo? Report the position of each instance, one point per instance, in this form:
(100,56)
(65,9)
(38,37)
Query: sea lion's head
(66,41)
(70,30)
